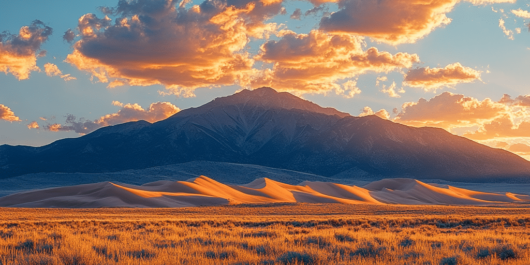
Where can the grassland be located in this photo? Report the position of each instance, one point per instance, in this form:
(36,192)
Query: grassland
(267,234)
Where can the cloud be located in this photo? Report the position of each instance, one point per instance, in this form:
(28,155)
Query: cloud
(521,101)
(521,13)
(391,90)
(33,125)
(500,128)
(7,114)
(449,110)
(507,32)
(382,113)
(129,112)
(117,103)
(18,53)
(156,42)
(315,10)
(316,62)
(296,14)
(390,21)
(53,70)
(69,36)
(431,79)
(487,2)
(520,148)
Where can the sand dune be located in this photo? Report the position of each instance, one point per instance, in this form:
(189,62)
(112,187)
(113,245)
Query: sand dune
(203,191)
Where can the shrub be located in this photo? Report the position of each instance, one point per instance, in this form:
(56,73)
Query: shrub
(141,254)
(221,255)
(292,257)
(344,238)
(407,242)
(449,261)
(368,251)
(27,245)
(262,250)
(260,234)
(506,252)
(483,253)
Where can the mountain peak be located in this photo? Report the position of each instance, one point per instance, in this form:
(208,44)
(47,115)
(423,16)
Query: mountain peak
(267,98)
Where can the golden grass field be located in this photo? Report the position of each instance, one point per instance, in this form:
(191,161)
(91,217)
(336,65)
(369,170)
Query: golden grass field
(267,234)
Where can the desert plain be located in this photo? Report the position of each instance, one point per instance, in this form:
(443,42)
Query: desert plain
(272,233)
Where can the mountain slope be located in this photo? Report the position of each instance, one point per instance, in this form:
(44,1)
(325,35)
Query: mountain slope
(279,130)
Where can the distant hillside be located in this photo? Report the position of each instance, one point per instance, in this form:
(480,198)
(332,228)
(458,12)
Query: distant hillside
(279,130)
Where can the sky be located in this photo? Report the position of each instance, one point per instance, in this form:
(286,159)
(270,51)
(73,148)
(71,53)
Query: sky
(72,67)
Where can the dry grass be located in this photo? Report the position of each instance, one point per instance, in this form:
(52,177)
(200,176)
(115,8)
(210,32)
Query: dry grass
(277,234)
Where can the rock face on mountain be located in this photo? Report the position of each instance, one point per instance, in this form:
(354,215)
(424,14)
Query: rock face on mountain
(268,128)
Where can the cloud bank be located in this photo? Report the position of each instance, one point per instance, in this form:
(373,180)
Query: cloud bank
(316,62)
(157,42)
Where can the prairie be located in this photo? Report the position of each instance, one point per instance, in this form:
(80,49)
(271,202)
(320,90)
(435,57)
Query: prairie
(268,234)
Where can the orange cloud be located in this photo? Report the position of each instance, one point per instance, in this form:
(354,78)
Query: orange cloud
(53,70)
(33,125)
(520,148)
(7,114)
(18,53)
(449,110)
(521,101)
(487,2)
(500,128)
(316,62)
(54,127)
(431,79)
(390,21)
(129,112)
(382,113)
(117,103)
(155,42)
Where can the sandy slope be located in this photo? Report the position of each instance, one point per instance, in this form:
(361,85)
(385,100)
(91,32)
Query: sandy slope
(204,191)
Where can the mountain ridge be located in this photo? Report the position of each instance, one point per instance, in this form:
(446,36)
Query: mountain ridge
(271,129)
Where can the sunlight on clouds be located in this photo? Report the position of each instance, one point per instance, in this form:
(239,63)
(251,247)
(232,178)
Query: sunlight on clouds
(521,13)
(53,70)
(182,49)
(316,62)
(129,112)
(507,32)
(431,79)
(382,113)
(487,2)
(449,110)
(7,114)
(18,53)
(391,90)
(393,21)
(504,123)
(33,125)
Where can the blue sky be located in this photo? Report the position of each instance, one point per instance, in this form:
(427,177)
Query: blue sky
(473,39)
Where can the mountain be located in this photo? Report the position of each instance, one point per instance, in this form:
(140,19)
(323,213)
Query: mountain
(279,130)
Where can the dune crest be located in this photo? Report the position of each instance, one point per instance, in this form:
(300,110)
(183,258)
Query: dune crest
(204,191)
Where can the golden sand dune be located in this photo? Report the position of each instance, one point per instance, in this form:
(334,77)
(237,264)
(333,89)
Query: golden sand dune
(203,191)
